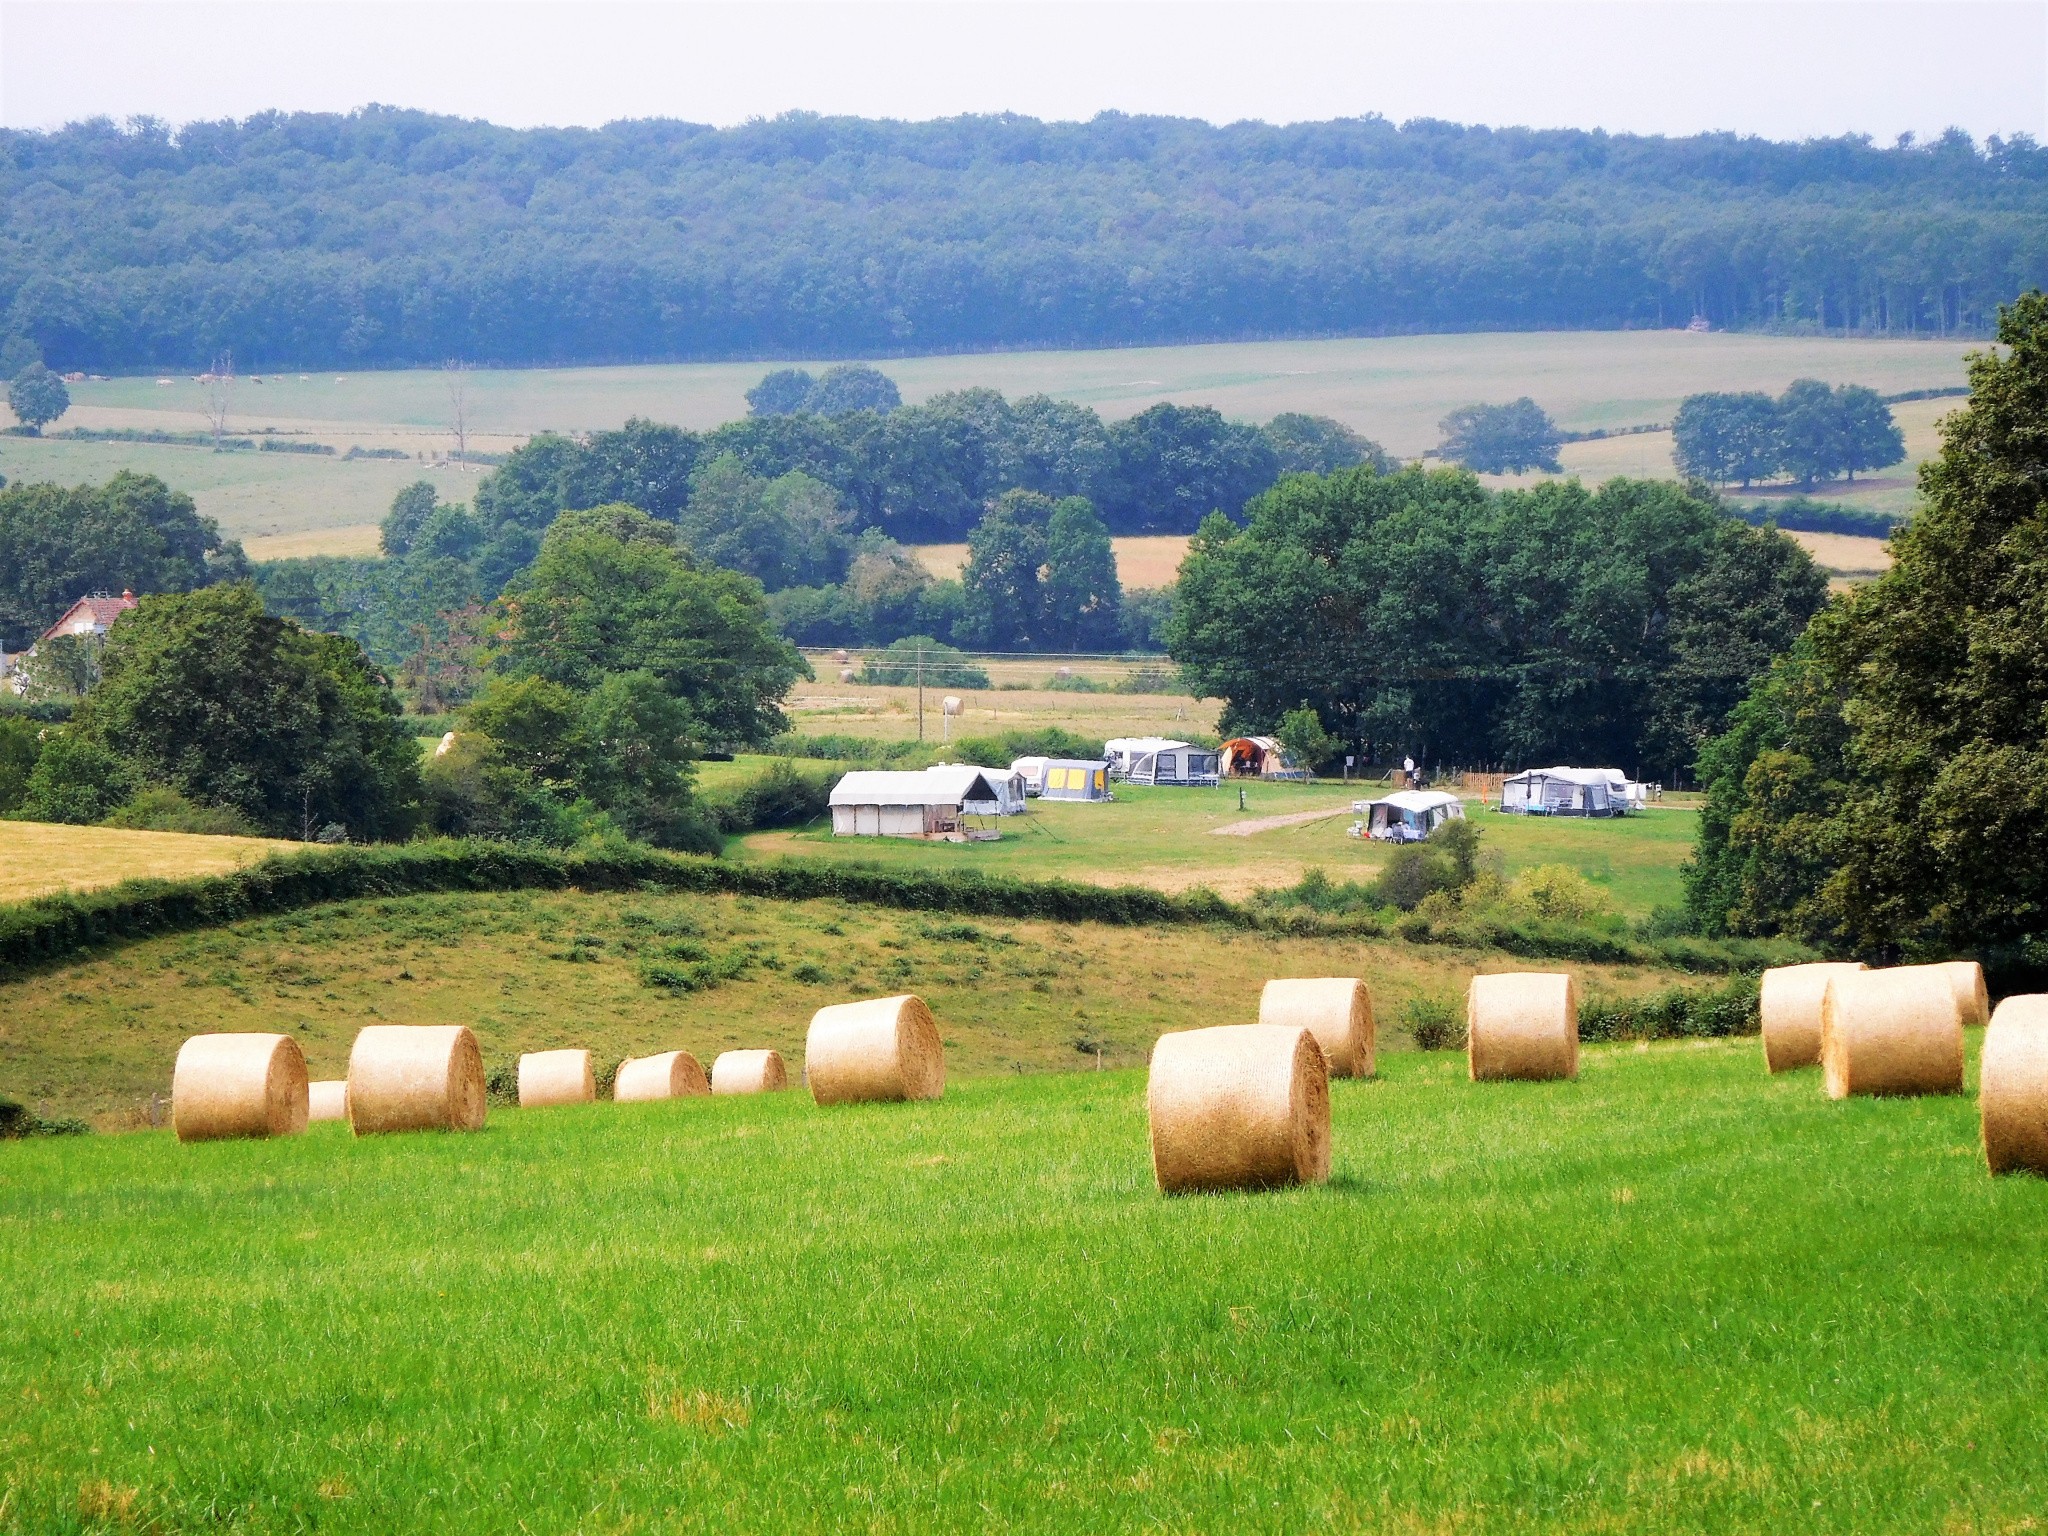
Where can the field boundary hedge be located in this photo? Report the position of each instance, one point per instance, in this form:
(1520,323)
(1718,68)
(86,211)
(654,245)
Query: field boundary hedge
(51,928)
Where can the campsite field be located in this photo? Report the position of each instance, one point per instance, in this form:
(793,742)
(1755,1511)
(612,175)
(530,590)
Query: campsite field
(1169,839)
(39,857)
(1394,389)
(529,971)
(1675,1296)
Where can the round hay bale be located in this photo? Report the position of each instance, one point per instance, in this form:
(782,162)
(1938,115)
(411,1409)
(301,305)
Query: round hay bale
(555,1077)
(415,1077)
(327,1100)
(950,704)
(1337,1010)
(1522,1025)
(839,655)
(1238,1106)
(2012,1093)
(884,1048)
(1897,1031)
(238,1085)
(671,1075)
(1967,977)
(1790,1004)
(848,675)
(749,1072)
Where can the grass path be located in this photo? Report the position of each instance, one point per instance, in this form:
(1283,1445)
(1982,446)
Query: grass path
(1676,1296)
(1271,823)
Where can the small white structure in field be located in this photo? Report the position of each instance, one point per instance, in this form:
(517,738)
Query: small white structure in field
(1406,816)
(934,804)
(1158,760)
(1570,792)
(1009,785)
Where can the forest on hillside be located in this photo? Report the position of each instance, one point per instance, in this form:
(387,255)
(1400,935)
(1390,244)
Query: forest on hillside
(385,237)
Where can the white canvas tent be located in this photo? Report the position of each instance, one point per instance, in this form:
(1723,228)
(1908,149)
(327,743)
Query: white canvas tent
(1009,785)
(876,803)
(1159,760)
(1570,792)
(1407,816)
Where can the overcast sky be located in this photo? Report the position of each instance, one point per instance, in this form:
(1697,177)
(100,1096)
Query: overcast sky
(1782,68)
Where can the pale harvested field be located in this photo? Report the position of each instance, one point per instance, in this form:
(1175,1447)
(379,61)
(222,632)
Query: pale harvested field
(38,858)
(1395,389)
(1142,561)
(1016,700)
(356,539)
(1845,554)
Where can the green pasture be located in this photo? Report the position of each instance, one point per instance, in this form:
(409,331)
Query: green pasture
(631,975)
(1676,1295)
(1168,838)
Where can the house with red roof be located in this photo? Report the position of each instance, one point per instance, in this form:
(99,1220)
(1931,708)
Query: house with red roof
(92,616)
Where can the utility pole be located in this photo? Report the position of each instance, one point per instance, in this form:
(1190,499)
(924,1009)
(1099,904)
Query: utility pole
(920,693)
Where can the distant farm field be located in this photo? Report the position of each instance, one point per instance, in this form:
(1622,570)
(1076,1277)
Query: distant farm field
(1394,389)
(37,858)
(1674,1296)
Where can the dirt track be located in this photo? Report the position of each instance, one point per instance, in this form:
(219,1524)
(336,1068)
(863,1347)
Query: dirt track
(1268,823)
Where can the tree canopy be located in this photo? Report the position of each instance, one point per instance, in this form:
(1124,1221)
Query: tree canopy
(1811,432)
(37,397)
(206,694)
(59,544)
(1501,439)
(1420,613)
(388,236)
(1885,789)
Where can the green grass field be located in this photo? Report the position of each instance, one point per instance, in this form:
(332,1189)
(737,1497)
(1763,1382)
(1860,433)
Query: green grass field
(1168,838)
(1394,389)
(1673,1296)
(534,970)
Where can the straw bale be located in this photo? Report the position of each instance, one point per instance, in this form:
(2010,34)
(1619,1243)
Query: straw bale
(2012,1093)
(1522,1025)
(555,1077)
(1238,1106)
(1337,1010)
(327,1100)
(749,1072)
(670,1075)
(415,1077)
(1790,1005)
(883,1048)
(238,1085)
(1896,1031)
(1967,977)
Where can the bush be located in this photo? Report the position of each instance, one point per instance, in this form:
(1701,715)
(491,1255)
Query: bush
(1559,892)
(472,791)
(942,665)
(1806,514)
(1436,1023)
(1150,680)
(1003,750)
(75,780)
(158,809)
(780,797)
(20,745)
(1676,1013)
(18,1121)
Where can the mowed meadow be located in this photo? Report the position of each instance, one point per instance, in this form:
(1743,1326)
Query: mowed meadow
(1675,1295)
(631,975)
(1394,389)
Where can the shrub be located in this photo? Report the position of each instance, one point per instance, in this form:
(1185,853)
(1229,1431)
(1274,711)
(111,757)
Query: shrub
(1001,751)
(1559,892)
(1675,1013)
(780,797)
(1436,1023)
(75,780)
(902,661)
(18,1121)
(159,809)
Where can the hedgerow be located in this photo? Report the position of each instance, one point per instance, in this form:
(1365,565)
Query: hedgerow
(51,928)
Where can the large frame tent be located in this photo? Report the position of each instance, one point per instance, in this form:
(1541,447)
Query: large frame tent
(1160,760)
(1569,792)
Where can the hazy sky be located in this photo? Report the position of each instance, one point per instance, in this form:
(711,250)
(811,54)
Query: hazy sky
(1783,68)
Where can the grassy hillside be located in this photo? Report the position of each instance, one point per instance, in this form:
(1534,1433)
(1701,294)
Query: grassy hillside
(1394,389)
(1674,1296)
(530,970)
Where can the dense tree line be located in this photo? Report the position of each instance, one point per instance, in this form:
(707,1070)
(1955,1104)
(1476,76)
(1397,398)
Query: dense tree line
(1884,789)
(1420,614)
(386,236)
(818,508)
(1810,432)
